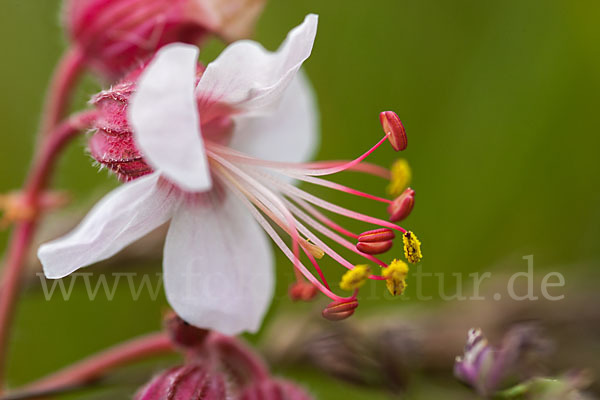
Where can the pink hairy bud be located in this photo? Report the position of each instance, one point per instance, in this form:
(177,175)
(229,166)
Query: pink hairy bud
(115,35)
(392,126)
(401,207)
(112,143)
(339,309)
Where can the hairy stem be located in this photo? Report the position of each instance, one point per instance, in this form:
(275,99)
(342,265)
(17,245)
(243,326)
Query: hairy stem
(42,167)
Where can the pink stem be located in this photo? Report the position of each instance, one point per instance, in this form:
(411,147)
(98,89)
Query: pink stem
(40,172)
(59,93)
(97,365)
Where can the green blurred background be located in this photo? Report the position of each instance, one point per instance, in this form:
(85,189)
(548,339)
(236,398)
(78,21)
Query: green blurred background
(499,99)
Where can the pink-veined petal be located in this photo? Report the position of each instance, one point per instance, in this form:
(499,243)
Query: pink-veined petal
(248,78)
(121,217)
(290,134)
(218,265)
(164,117)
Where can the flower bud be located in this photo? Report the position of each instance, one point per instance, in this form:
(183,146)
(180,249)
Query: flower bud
(376,241)
(184,383)
(274,389)
(392,126)
(302,291)
(402,206)
(115,35)
(339,309)
(112,143)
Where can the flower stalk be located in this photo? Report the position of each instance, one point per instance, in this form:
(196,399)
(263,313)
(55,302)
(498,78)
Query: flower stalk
(41,170)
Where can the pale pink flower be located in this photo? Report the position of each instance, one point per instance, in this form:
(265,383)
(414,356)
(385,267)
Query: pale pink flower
(222,147)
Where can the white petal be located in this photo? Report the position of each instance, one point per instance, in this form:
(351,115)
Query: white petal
(121,217)
(291,134)
(164,117)
(247,77)
(218,266)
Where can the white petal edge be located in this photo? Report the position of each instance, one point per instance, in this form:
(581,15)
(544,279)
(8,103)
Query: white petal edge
(121,217)
(218,266)
(164,116)
(291,134)
(249,78)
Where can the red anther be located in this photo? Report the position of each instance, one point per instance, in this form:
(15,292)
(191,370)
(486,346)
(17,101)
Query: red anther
(339,310)
(302,291)
(377,235)
(392,126)
(402,206)
(374,247)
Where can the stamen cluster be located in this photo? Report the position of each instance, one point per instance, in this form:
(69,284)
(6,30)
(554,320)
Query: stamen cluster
(265,188)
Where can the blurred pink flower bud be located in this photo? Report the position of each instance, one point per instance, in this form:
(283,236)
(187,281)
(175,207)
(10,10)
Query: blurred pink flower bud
(184,383)
(115,35)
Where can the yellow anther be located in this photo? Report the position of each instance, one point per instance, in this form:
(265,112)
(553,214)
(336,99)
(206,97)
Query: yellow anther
(412,248)
(401,176)
(312,248)
(395,277)
(355,278)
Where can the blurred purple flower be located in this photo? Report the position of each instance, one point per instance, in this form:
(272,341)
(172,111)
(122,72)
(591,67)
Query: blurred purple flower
(487,368)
